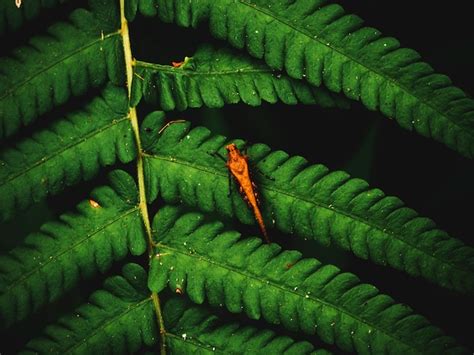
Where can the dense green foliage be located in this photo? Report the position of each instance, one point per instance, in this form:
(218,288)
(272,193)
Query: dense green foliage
(119,316)
(209,263)
(74,101)
(70,150)
(309,201)
(318,42)
(51,262)
(198,330)
(69,59)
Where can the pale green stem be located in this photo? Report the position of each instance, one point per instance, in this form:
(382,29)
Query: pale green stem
(129,62)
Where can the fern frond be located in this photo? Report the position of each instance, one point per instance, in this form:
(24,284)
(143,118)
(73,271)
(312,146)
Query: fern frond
(77,246)
(214,77)
(71,150)
(118,319)
(319,42)
(12,18)
(306,200)
(68,60)
(192,329)
(204,261)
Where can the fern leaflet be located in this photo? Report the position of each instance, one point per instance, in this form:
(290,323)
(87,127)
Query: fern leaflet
(205,261)
(77,246)
(67,61)
(72,149)
(307,200)
(317,41)
(12,18)
(214,78)
(118,319)
(193,329)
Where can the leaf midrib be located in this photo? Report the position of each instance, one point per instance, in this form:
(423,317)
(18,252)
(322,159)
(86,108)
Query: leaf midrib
(80,140)
(358,62)
(67,250)
(389,232)
(171,70)
(268,282)
(18,85)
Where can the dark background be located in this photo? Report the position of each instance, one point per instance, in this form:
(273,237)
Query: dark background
(429,177)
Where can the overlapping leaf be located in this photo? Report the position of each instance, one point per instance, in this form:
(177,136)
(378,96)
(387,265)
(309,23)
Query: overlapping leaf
(68,60)
(12,18)
(306,200)
(317,41)
(206,262)
(214,78)
(118,319)
(71,150)
(195,330)
(80,244)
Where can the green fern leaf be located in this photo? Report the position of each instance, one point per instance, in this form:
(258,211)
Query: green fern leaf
(206,262)
(77,246)
(67,61)
(307,200)
(216,77)
(192,330)
(319,42)
(71,150)
(146,7)
(12,18)
(118,319)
